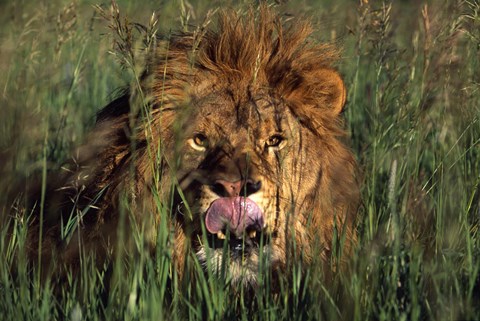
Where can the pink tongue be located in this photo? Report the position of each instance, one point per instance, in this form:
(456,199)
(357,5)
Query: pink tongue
(236,213)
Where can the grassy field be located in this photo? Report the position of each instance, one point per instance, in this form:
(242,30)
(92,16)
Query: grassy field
(412,73)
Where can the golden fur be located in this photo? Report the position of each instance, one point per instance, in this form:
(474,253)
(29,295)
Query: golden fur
(240,84)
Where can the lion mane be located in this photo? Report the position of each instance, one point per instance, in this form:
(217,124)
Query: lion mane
(252,100)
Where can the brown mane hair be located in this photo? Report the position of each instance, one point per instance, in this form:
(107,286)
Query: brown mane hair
(252,51)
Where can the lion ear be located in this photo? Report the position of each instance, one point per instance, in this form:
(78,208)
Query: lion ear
(322,88)
(328,90)
(334,91)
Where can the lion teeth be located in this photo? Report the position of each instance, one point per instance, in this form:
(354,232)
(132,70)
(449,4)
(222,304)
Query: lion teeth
(252,234)
(221,236)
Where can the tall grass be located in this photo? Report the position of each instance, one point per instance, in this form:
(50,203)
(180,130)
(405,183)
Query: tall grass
(413,112)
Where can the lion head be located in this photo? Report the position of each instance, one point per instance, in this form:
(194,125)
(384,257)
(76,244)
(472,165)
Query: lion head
(244,120)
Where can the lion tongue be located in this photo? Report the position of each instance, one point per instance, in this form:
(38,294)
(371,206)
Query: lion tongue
(236,213)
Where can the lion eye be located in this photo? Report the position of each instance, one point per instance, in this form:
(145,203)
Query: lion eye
(199,142)
(274,141)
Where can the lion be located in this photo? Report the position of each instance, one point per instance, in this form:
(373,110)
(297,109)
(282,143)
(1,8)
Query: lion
(234,139)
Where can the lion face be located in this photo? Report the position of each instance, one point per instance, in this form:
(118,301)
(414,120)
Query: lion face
(251,174)
(237,159)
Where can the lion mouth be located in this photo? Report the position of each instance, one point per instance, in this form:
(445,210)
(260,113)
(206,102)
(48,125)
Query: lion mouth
(239,221)
(236,239)
(237,216)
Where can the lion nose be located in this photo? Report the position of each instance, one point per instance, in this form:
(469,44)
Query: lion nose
(226,188)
